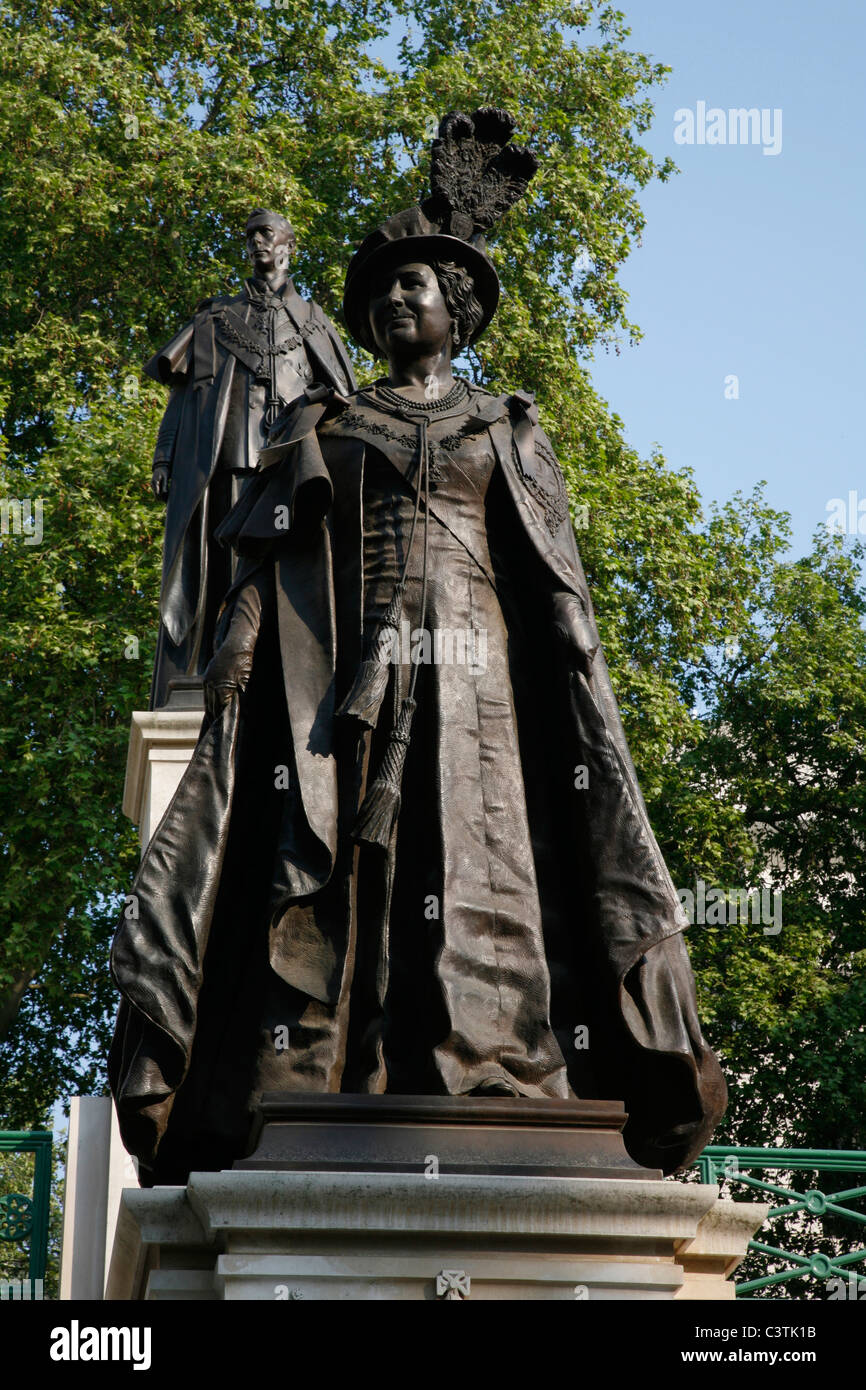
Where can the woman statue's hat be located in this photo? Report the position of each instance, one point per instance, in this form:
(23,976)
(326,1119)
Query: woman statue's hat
(475,177)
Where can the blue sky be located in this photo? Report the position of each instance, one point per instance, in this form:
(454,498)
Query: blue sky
(753,265)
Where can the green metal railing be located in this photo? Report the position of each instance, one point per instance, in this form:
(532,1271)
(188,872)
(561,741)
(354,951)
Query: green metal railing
(718,1163)
(24,1218)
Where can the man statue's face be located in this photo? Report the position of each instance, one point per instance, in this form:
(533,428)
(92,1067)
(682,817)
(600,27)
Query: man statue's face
(269,246)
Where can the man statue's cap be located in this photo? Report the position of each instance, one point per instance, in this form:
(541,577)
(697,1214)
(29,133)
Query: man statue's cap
(475,177)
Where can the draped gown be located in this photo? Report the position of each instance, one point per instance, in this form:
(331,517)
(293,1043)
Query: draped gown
(457,943)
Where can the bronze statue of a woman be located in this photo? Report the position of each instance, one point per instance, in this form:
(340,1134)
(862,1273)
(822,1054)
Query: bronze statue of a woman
(410,854)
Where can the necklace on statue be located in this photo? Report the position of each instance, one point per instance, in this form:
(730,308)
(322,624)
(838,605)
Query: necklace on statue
(458,393)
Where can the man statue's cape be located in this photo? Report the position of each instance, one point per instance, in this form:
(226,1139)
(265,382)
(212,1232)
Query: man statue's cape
(199,359)
(623,971)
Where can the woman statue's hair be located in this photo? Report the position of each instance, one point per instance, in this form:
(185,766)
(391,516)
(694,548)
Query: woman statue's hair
(457,288)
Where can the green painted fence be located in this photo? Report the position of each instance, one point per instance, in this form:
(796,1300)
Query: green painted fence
(22,1217)
(741,1169)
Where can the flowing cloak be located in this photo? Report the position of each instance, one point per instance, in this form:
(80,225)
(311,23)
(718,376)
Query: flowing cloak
(619,967)
(201,360)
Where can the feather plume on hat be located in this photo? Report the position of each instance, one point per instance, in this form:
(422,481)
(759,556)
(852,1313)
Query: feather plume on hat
(476,175)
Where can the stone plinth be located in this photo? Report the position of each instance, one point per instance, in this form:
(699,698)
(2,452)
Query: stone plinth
(98,1169)
(710,1257)
(160,746)
(335,1235)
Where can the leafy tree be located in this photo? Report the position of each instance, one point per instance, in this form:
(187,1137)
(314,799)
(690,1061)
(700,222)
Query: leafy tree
(776,788)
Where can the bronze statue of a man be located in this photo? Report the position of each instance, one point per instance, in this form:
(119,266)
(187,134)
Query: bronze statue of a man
(231,369)
(379,874)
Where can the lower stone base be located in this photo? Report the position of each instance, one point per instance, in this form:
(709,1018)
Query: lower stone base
(270,1235)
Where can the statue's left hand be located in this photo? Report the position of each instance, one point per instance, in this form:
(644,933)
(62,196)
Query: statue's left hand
(574,629)
(160,481)
(229,669)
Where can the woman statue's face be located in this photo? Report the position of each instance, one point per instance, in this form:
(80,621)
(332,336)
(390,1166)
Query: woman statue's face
(408,314)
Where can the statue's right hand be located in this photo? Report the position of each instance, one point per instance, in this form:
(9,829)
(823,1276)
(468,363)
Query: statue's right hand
(160,481)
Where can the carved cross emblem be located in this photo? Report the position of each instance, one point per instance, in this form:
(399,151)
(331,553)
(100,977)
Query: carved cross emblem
(452,1283)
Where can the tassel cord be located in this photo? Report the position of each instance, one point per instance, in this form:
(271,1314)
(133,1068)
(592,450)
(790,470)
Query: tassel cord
(378,815)
(390,619)
(371,680)
(423,476)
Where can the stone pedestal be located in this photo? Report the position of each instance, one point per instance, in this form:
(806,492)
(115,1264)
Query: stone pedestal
(269,1235)
(710,1257)
(160,746)
(98,1170)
